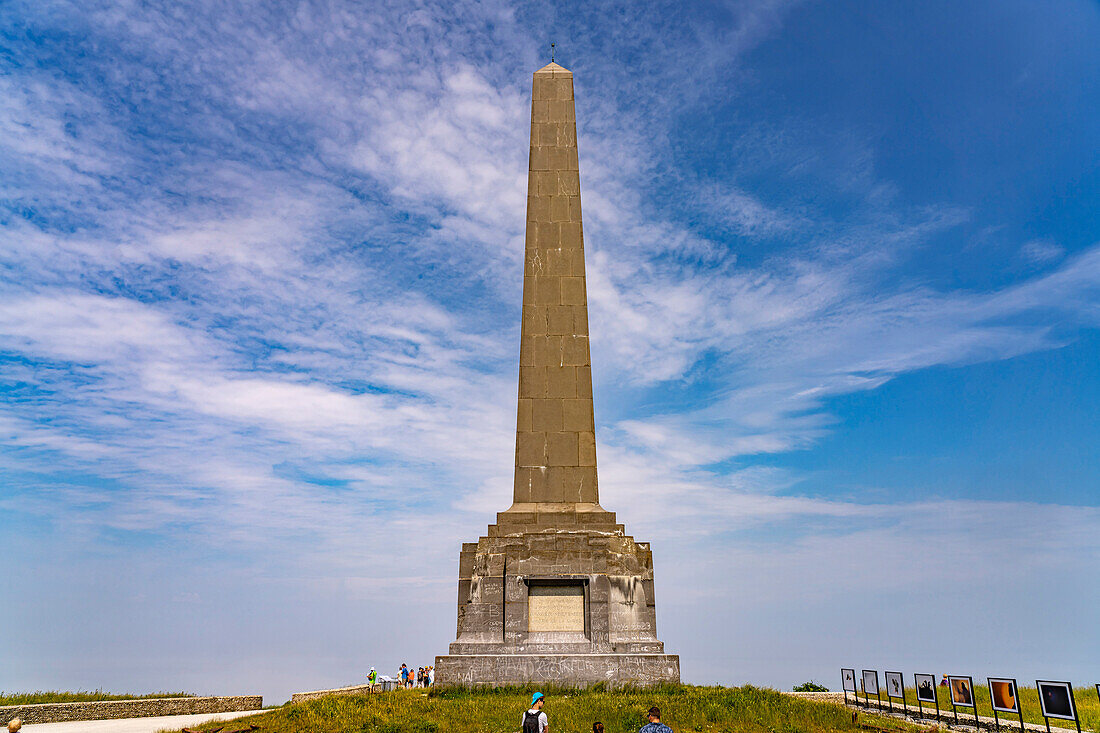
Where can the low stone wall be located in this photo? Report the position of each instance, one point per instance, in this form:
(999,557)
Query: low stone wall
(354,690)
(62,712)
(837,697)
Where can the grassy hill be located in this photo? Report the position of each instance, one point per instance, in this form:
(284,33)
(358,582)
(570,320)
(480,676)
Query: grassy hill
(684,708)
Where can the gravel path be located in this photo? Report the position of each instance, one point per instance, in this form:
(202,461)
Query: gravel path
(133,725)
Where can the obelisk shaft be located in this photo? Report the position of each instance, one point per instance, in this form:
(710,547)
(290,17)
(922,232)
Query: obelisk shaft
(555,431)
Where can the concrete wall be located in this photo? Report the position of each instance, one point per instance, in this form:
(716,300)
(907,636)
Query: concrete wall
(59,712)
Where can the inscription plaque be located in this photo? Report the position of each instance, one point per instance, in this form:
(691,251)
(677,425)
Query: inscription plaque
(555,608)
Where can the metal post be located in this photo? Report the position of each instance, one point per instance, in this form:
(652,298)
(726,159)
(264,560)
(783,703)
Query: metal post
(1020,708)
(1076,715)
(996,720)
(936,695)
(1045,718)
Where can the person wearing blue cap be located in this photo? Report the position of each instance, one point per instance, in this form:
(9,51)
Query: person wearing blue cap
(534,720)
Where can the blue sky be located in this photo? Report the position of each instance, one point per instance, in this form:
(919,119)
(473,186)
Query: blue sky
(259,304)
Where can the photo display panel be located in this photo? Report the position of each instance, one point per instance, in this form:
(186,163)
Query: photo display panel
(962,691)
(848,678)
(1056,699)
(926,687)
(870,681)
(895,687)
(1002,694)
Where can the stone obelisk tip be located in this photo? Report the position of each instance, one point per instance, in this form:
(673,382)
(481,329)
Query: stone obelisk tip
(553,68)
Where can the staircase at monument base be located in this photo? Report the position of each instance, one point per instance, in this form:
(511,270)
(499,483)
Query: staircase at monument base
(556,591)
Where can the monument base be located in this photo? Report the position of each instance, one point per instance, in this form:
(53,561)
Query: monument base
(569,670)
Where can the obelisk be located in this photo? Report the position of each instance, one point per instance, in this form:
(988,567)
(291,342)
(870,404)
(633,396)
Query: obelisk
(556,591)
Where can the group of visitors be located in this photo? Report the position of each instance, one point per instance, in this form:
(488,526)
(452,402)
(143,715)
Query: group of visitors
(422,677)
(535,720)
(406,678)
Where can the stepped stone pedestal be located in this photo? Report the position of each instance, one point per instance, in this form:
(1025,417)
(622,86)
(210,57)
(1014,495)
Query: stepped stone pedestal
(556,591)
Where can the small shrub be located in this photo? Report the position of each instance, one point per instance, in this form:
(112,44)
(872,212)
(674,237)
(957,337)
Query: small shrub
(810,686)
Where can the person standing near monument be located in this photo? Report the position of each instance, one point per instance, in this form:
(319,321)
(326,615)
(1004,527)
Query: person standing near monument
(654,725)
(372,679)
(534,720)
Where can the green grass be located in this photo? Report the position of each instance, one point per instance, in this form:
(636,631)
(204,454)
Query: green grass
(684,708)
(42,696)
(1088,706)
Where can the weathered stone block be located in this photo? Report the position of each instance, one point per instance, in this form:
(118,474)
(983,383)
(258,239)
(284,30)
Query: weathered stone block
(574,349)
(570,234)
(559,208)
(534,320)
(533,381)
(538,211)
(540,159)
(531,449)
(559,262)
(575,215)
(548,289)
(559,320)
(546,415)
(561,382)
(584,382)
(587,449)
(561,449)
(547,349)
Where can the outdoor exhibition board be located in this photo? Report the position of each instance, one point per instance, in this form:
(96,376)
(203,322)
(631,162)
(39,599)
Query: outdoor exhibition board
(848,683)
(926,692)
(895,689)
(1056,701)
(1003,698)
(962,695)
(870,684)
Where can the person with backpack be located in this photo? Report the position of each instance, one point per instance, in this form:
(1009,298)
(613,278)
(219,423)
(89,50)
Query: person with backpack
(372,679)
(534,720)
